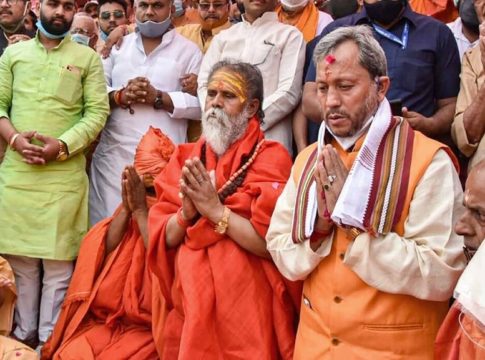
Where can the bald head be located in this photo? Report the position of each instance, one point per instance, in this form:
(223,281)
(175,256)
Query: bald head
(84,30)
(472,224)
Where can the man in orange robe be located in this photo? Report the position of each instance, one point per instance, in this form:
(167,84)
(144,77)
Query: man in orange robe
(226,298)
(462,335)
(112,310)
(366,220)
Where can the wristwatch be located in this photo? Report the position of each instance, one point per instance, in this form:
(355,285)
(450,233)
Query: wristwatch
(353,232)
(63,152)
(221,226)
(158,104)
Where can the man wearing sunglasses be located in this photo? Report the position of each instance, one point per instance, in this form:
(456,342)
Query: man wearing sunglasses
(112,13)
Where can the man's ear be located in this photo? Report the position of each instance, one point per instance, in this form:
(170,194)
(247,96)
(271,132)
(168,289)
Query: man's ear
(383,84)
(253,107)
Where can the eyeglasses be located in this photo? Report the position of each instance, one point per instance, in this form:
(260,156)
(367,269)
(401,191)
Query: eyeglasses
(106,15)
(11,2)
(216,6)
(81,31)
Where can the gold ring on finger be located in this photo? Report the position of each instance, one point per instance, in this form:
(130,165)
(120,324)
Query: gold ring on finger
(331,178)
(326,186)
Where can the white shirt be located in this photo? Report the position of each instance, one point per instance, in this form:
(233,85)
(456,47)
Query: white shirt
(323,20)
(425,262)
(463,43)
(278,50)
(174,57)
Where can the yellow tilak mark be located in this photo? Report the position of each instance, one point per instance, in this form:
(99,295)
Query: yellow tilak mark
(231,82)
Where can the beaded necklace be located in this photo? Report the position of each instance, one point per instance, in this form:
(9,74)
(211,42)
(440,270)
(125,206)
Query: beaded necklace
(237,178)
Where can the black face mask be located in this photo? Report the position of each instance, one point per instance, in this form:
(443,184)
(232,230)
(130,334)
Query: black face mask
(384,11)
(469,16)
(341,8)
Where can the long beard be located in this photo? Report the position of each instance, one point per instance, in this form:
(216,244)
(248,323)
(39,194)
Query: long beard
(221,130)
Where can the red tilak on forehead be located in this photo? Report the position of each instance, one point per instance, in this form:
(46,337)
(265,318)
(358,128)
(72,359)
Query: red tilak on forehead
(330,59)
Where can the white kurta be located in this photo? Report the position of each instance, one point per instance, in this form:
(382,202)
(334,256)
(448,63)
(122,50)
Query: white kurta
(278,50)
(164,66)
(428,250)
(463,43)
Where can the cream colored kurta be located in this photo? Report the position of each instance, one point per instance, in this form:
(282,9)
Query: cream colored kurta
(410,264)
(472,79)
(278,50)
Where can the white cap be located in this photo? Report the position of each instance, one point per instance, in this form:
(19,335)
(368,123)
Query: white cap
(292,5)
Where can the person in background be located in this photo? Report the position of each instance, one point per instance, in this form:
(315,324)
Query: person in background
(462,335)
(304,15)
(91,8)
(468,128)
(278,50)
(144,86)
(214,17)
(465,27)
(111,14)
(184,13)
(12,22)
(84,30)
(53,104)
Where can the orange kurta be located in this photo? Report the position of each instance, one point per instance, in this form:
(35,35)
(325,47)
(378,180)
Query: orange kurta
(349,319)
(107,312)
(225,303)
(306,21)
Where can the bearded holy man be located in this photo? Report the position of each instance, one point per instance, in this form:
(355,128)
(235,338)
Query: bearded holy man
(225,297)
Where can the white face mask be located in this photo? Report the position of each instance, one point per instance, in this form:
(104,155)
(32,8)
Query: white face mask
(81,39)
(153,29)
(293,5)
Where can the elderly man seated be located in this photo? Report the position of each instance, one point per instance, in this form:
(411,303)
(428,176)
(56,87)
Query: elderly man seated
(225,297)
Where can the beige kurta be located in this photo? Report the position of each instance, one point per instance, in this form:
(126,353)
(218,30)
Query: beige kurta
(472,79)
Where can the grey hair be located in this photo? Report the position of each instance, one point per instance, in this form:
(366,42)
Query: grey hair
(371,55)
(251,75)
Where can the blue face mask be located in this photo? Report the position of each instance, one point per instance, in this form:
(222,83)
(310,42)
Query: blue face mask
(47,34)
(81,39)
(152,29)
(103,35)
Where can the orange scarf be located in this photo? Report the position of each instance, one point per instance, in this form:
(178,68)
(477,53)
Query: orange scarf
(306,21)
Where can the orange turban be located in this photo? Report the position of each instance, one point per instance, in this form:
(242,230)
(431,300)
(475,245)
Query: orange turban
(153,152)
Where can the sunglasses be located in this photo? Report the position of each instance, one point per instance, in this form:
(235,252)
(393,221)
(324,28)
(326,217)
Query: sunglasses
(106,15)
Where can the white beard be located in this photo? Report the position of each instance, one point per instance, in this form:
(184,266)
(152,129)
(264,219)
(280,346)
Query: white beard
(221,130)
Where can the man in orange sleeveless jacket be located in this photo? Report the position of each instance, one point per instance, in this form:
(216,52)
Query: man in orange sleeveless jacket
(367,217)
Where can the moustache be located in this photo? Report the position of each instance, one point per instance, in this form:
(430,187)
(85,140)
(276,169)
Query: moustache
(335,114)
(6,12)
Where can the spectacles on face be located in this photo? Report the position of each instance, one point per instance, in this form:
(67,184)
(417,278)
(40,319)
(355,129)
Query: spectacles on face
(81,31)
(10,2)
(215,6)
(118,14)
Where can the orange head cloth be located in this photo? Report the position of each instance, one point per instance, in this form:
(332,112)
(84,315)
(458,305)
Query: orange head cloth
(230,81)
(153,152)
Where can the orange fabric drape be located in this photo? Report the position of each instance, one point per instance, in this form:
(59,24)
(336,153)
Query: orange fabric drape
(452,344)
(224,302)
(107,312)
(443,10)
(306,21)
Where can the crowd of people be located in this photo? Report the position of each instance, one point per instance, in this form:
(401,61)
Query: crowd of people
(250,179)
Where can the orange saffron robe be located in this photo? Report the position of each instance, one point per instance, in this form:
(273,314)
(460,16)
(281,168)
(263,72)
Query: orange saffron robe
(224,302)
(306,21)
(107,312)
(349,319)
